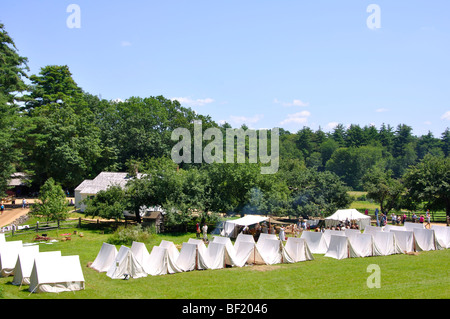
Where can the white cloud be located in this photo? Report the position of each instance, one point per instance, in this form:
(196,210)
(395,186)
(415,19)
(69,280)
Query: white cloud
(427,123)
(190,102)
(245,119)
(125,44)
(295,102)
(332,125)
(297,118)
(446,116)
(380,110)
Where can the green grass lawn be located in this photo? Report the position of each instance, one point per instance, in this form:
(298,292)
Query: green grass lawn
(422,276)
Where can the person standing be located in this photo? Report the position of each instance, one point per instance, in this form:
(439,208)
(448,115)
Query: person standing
(282,234)
(376,217)
(393,218)
(2,209)
(197,230)
(428,219)
(205,233)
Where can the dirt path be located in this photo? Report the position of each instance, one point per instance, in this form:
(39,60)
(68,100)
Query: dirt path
(11,214)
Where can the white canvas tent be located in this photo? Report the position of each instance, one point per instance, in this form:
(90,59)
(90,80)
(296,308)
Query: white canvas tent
(125,264)
(385,243)
(24,265)
(208,258)
(52,273)
(200,244)
(361,245)
(412,226)
(187,260)
(351,214)
(106,256)
(141,253)
(316,242)
(8,257)
(338,247)
(172,256)
(389,228)
(442,234)
(2,238)
(213,257)
(268,252)
(238,254)
(243,238)
(157,263)
(329,232)
(263,237)
(296,250)
(372,229)
(405,240)
(245,246)
(173,251)
(425,239)
(231,227)
(350,233)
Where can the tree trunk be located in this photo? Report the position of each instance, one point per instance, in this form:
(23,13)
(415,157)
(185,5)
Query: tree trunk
(138,217)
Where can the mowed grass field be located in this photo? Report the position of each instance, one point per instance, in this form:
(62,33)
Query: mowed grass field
(421,276)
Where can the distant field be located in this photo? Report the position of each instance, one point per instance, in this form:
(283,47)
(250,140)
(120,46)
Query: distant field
(422,276)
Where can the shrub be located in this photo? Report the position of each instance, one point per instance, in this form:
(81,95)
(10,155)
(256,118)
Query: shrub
(126,235)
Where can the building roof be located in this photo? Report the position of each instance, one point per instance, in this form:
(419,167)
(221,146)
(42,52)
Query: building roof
(152,215)
(18,179)
(103,181)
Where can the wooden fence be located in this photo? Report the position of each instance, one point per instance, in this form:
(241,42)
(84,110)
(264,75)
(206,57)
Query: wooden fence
(42,227)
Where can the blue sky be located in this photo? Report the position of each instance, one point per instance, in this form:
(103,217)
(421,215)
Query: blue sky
(264,63)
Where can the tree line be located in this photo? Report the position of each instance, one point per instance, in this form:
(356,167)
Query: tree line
(52,129)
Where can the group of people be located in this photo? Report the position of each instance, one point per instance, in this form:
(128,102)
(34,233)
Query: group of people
(281,229)
(401,219)
(340,226)
(204,230)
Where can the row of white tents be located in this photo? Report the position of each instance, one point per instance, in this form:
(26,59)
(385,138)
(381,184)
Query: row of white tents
(42,271)
(52,272)
(377,241)
(137,262)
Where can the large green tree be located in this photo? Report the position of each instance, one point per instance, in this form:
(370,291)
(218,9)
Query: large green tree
(52,204)
(63,141)
(13,69)
(383,188)
(109,203)
(428,182)
(351,163)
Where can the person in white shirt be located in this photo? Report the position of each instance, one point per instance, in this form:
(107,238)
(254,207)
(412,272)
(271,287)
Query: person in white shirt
(205,232)
(282,235)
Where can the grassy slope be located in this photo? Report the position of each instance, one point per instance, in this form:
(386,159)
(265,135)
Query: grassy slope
(402,276)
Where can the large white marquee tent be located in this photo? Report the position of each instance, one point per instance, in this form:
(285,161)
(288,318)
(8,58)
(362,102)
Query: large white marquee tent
(231,227)
(351,214)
